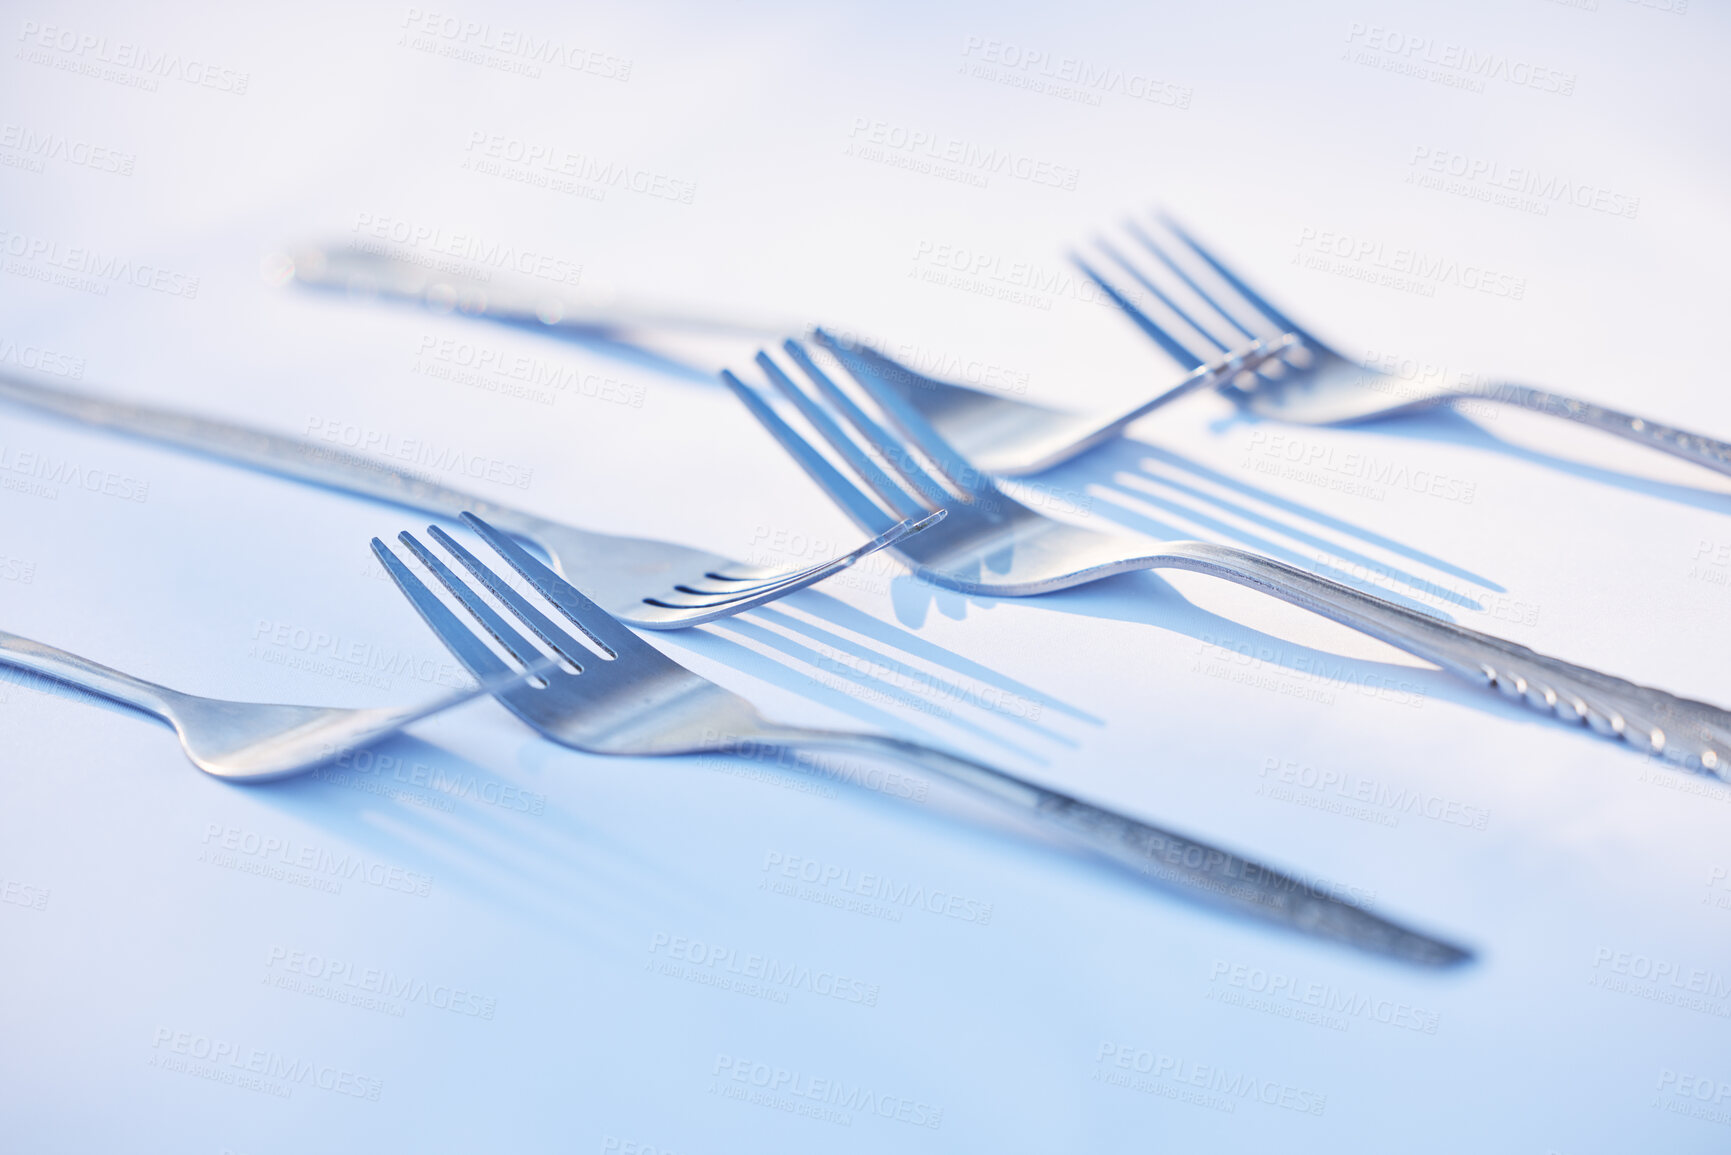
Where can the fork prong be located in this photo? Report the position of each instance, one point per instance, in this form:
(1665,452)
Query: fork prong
(462,641)
(1177,270)
(545,629)
(596,623)
(843,492)
(800,578)
(972,482)
(1143,321)
(898,498)
(928,487)
(726,605)
(518,646)
(1238,286)
(1165,298)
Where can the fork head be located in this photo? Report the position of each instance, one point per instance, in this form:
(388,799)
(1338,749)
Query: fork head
(658,585)
(1194,306)
(610,694)
(989,543)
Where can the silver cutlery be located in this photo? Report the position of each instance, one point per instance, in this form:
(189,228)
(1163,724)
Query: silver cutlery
(514,300)
(618,695)
(1008,437)
(992,544)
(655,585)
(1207,309)
(246,741)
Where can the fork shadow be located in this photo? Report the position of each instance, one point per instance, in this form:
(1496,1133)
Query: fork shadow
(1147,480)
(553,867)
(1446,426)
(852,662)
(1147,599)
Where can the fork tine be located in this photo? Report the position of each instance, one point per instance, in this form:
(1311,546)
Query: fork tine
(726,605)
(1160,294)
(843,492)
(480,661)
(972,482)
(597,624)
(1143,321)
(518,646)
(567,646)
(800,578)
(1227,275)
(898,498)
(1177,270)
(927,486)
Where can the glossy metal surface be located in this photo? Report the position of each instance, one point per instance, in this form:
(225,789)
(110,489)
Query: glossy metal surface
(635,701)
(992,544)
(374,274)
(247,741)
(652,584)
(1011,438)
(1205,309)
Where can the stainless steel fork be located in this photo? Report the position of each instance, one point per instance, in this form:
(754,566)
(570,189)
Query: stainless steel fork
(1205,310)
(992,544)
(655,585)
(619,695)
(245,741)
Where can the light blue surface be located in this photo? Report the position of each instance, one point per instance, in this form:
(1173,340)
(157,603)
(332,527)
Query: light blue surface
(684,957)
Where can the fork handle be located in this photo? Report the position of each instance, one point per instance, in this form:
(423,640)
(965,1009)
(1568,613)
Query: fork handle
(331,466)
(1693,734)
(1168,859)
(1715,455)
(53,662)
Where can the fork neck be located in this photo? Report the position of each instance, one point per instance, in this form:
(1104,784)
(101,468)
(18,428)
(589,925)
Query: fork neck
(53,662)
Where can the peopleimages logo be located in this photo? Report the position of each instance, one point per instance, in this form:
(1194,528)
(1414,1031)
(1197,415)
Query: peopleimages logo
(79,261)
(89,53)
(1367,258)
(766,969)
(803,1092)
(1067,77)
(1445,62)
(868,134)
(435,242)
(224,1061)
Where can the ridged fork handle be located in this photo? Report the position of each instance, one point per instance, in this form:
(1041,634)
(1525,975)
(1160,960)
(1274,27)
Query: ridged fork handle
(332,466)
(1174,861)
(53,662)
(1693,447)
(1693,734)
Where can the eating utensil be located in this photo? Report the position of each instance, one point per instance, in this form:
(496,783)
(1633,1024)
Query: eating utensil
(655,585)
(1205,309)
(618,695)
(992,544)
(244,741)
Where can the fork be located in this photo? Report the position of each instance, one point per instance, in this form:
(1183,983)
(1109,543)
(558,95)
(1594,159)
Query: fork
(1007,437)
(992,544)
(244,741)
(618,695)
(1309,383)
(377,272)
(655,585)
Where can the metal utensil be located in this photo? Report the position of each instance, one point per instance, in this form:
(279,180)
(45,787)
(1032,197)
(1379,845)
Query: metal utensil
(656,585)
(375,273)
(246,741)
(620,696)
(992,544)
(1207,309)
